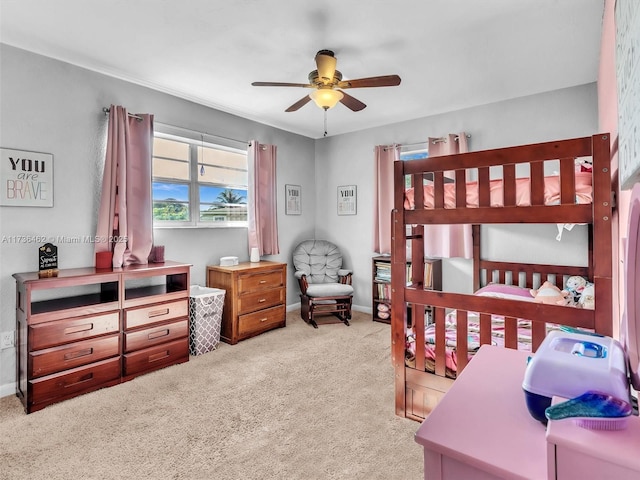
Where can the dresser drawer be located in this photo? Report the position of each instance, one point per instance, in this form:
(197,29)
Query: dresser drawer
(137,317)
(156,357)
(56,359)
(49,334)
(260,300)
(77,380)
(139,339)
(251,282)
(262,320)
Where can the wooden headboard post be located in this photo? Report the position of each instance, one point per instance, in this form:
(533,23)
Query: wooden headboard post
(398,283)
(602,231)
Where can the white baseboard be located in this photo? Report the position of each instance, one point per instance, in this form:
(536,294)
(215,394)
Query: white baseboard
(295,306)
(7,389)
(359,308)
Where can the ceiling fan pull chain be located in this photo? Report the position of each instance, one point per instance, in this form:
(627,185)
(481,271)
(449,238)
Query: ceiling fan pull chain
(325,121)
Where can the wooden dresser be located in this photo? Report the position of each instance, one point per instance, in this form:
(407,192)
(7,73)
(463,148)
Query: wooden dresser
(255,299)
(86,328)
(155,319)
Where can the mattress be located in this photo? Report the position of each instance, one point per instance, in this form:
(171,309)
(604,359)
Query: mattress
(583,190)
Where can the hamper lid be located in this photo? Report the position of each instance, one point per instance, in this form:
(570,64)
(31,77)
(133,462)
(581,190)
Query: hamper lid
(630,330)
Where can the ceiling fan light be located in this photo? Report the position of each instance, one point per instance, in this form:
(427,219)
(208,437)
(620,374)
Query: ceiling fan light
(326,98)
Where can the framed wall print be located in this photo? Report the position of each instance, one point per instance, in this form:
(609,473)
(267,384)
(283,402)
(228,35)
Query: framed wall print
(26,178)
(293,203)
(347,200)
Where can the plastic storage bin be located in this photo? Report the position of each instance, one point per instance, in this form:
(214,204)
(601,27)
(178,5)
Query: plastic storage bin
(568,364)
(205,315)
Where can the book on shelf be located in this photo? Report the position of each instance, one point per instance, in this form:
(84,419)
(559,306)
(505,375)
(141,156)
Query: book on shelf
(384,291)
(383,271)
(428,275)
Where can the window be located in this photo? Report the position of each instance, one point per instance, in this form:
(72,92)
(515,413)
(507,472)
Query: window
(198,183)
(412,155)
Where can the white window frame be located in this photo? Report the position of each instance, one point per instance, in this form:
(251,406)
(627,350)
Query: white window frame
(196,140)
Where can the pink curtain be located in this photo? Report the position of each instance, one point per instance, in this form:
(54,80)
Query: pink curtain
(263,218)
(385,155)
(125,218)
(445,241)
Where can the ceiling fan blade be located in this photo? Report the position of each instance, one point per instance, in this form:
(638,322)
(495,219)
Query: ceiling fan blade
(382,81)
(300,103)
(281,84)
(326,63)
(351,102)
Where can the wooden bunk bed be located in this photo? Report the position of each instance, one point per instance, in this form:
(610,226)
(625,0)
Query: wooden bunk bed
(495,196)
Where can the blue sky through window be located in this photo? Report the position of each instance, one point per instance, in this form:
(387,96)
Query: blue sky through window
(414,155)
(208,194)
(167,191)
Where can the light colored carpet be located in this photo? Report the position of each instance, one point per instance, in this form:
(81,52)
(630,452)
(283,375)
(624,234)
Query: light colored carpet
(293,403)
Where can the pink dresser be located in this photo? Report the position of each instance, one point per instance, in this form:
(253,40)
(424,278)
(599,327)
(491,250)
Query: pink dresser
(586,454)
(482,430)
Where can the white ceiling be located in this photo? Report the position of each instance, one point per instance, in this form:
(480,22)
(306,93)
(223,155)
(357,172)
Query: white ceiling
(450,54)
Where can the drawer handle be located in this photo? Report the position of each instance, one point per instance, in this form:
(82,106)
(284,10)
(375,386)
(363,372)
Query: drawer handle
(262,300)
(78,354)
(264,319)
(158,313)
(158,334)
(78,328)
(159,356)
(263,281)
(85,378)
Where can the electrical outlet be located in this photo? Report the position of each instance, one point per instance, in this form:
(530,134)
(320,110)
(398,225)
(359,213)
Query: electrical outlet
(7,339)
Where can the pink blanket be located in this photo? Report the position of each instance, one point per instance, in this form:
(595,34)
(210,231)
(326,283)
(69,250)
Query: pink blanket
(473,339)
(523,192)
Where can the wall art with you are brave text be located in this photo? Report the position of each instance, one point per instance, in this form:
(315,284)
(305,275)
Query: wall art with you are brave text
(27,178)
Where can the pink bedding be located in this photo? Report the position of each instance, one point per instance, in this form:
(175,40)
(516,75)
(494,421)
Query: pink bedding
(523,192)
(473,339)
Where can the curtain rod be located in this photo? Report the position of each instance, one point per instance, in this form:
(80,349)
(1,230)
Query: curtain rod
(137,117)
(436,140)
(106,111)
(426,142)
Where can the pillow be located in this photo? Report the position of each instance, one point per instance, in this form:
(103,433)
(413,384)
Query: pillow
(510,292)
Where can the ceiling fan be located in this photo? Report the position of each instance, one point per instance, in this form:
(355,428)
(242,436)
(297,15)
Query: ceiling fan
(328,85)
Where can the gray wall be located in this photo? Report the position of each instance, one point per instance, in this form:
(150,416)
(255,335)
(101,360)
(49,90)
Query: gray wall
(53,107)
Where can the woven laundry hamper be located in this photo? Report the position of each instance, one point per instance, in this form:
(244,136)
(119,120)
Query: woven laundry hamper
(205,318)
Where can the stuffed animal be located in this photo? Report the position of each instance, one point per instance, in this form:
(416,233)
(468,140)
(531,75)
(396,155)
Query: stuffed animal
(574,287)
(588,298)
(550,294)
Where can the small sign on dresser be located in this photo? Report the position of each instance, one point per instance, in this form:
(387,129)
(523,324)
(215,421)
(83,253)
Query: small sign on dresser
(48,260)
